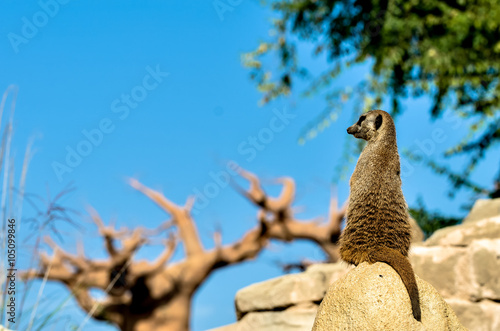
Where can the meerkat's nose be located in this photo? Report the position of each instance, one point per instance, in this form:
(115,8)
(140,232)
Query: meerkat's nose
(350,130)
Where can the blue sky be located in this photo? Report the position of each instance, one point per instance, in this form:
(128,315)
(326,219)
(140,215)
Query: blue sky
(195,109)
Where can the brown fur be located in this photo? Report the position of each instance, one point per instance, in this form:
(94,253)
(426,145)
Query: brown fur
(378,228)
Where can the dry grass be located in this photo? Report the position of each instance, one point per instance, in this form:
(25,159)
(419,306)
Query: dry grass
(12,199)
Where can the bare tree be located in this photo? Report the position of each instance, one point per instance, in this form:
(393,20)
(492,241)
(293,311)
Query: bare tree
(144,295)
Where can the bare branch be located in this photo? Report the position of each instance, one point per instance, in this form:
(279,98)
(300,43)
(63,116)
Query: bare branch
(142,268)
(246,248)
(281,224)
(187,229)
(100,310)
(162,227)
(257,195)
(217,239)
(336,215)
(300,266)
(285,200)
(62,256)
(135,289)
(104,231)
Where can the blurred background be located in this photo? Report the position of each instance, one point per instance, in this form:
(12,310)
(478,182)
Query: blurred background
(168,92)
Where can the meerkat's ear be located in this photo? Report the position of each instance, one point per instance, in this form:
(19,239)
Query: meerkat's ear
(378,122)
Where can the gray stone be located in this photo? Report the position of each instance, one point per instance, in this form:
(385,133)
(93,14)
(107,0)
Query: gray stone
(485,262)
(331,271)
(483,208)
(296,318)
(373,297)
(477,316)
(464,234)
(445,268)
(461,263)
(471,273)
(288,290)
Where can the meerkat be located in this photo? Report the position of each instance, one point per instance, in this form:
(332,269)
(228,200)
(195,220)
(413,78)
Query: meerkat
(378,228)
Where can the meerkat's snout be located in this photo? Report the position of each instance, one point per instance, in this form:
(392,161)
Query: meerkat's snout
(351,130)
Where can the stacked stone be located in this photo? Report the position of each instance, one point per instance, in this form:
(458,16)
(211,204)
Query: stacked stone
(460,264)
(463,263)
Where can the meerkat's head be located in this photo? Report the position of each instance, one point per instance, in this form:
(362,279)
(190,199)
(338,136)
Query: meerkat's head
(370,125)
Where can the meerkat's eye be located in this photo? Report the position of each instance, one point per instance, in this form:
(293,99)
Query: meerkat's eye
(361,119)
(378,122)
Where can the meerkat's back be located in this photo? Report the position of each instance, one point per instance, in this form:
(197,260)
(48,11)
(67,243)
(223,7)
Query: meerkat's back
(378,228)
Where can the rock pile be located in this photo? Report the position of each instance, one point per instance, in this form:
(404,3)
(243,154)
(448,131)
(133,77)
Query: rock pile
(285,303)
(460,264)
(463,263)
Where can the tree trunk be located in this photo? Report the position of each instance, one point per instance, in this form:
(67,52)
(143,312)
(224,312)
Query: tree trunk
(152,295)
(171,316)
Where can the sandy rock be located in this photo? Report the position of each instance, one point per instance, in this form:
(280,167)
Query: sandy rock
(446,268)
(296,318)
(288,290)
(373,297)
(417,235)
(471,272)
(477,316)
(464,234)
(483,208)
(229,327)
(331,271)
(485,263)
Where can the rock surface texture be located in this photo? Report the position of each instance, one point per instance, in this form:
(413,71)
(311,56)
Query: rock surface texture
(285,303)
(483,208)
(373,297)
(463,263)
(460,264)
